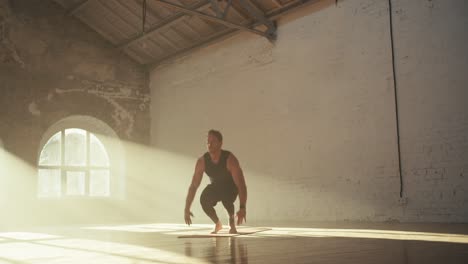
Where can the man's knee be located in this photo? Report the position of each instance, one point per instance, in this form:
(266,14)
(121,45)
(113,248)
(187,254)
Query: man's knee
(206,200)
(203,199)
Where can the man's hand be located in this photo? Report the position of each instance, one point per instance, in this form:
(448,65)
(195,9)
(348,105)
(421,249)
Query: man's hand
(187,215)
(241,216)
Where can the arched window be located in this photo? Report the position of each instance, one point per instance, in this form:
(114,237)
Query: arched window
(80,162)
(74,162)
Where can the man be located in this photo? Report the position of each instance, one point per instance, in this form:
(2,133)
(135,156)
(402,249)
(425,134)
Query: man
(227,181)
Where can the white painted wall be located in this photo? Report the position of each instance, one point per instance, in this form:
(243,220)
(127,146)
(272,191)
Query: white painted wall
(3,175)
(311,117)
(431,50)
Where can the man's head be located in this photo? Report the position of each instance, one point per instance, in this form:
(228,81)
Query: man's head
(214,141)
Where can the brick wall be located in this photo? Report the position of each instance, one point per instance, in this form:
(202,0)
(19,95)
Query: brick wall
(431,40)
(311,117)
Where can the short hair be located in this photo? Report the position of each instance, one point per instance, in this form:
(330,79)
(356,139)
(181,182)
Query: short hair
(217,134)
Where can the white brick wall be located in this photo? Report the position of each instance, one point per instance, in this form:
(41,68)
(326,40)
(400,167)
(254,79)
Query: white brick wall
(3,174)
(432,68)
(312,116)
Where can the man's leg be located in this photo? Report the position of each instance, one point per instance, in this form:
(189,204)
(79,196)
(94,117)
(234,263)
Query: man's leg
(208,200)
(228,203)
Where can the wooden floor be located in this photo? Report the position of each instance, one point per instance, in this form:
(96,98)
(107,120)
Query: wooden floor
(159,243)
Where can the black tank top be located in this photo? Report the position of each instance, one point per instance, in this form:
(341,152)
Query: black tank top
(218,172)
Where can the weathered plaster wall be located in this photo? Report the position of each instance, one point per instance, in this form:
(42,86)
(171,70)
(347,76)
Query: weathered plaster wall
(53,66)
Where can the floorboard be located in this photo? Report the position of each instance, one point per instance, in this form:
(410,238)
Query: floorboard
(160,243)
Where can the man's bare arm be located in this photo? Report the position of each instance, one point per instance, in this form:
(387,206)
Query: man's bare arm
(238,177)
(196,180)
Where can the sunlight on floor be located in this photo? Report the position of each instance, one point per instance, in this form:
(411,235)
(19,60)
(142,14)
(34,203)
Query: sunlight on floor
(367,233)
(180,229)
(26,236)
(150,228)
(59,250)
(38,248)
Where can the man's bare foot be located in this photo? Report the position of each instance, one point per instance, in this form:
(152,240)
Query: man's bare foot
(232,224)
(218,227)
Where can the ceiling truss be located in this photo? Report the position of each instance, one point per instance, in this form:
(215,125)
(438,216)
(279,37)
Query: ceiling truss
(175,27)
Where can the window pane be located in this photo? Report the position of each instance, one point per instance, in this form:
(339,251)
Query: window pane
(75,147)
(75,182)
(98,154)
(51,153)
(49,183)
(99,183)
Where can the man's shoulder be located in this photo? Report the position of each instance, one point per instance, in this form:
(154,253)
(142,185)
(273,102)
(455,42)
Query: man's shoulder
(227,153)
(201,162)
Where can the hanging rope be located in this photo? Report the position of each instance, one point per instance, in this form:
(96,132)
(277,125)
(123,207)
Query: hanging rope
(390,14)
(143,15)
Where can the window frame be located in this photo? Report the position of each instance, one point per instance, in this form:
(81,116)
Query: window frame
(112,145)
(87,168)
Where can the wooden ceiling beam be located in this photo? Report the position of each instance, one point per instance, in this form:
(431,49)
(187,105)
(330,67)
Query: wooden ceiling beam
(259,16)
(164,24)
(73,10)
(231,31)
(277,3)
(211,18)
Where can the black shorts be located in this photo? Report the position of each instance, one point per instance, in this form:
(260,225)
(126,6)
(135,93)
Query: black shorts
(212,194)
